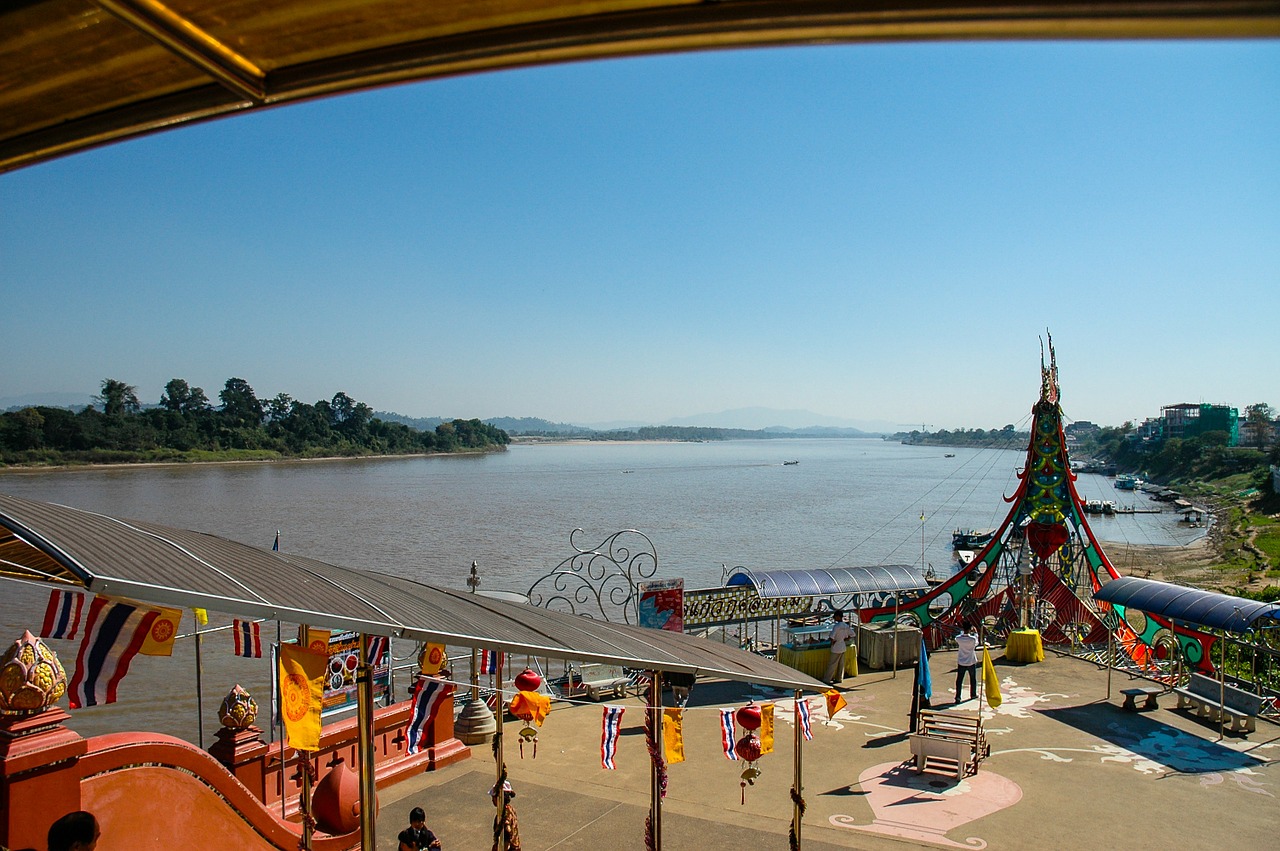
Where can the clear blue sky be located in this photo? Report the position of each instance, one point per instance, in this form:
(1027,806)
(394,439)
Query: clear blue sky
(866,232)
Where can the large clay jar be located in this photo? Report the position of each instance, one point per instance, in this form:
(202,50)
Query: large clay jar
(335,803)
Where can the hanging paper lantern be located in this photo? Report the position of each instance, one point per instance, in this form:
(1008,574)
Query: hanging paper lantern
(528,680)
(748,717)
(531,708)
(749,750)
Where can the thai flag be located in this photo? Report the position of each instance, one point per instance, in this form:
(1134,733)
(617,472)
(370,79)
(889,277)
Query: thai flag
(426,698)
(248,639)
(611,727)
(377,650)
(802,712)
(62,617)
(490,661)
(726,734)
(114,633)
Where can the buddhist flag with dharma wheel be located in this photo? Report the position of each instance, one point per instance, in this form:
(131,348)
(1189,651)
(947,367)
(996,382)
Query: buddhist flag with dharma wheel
(835,702)
(432,659)
(673,735)
(164,629)
(301,695)
(315,640)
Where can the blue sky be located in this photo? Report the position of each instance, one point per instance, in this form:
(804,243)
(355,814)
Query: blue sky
(871,232)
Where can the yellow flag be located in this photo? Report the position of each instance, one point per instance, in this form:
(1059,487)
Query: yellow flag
(315,640)
(990,681)
(766,729)
(432,659)
(835,702)
(301,693)
(202,616)
(164,629)
(673,735)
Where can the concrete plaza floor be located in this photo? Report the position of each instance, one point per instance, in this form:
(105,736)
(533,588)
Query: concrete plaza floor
(1068,769)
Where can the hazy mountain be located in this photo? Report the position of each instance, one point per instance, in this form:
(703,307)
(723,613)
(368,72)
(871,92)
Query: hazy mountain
(775,419)
(535,425)
(50,400)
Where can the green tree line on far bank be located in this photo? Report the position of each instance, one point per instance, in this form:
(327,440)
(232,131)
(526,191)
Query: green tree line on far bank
(186,426)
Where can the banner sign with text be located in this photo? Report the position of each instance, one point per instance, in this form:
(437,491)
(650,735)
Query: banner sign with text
(340,676)
(720,606)
(662,604)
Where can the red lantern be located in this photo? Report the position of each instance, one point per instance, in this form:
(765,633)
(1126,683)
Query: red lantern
(748,717)
(528,680)
(748,748)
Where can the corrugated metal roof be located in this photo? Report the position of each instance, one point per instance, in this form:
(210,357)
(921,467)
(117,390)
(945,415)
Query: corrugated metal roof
(160,565)
(1188,605)
(79,73)
(825,582)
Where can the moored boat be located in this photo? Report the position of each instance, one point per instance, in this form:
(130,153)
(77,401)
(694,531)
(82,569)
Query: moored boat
(971,539)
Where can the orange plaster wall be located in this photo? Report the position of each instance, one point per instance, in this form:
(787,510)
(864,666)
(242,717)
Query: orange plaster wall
(154,807)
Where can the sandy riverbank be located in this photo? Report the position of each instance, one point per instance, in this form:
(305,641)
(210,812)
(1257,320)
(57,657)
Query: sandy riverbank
(1188,565)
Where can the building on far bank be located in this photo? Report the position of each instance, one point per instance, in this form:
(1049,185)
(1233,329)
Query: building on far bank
(1190,419)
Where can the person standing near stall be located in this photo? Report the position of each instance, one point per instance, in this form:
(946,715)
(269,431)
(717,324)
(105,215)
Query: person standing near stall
(840,633)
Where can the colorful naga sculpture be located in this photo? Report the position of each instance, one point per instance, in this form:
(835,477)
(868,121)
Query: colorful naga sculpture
(1043,565)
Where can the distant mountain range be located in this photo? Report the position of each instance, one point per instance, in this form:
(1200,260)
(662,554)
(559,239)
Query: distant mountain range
(794,423)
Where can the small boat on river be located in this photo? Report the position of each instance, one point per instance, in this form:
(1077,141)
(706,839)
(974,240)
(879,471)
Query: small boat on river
(971,539)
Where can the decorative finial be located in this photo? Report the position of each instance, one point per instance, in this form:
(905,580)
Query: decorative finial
(31,677)
(238,710)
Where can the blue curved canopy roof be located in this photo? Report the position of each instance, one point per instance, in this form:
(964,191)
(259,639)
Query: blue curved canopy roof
(1189,605)
(829,581)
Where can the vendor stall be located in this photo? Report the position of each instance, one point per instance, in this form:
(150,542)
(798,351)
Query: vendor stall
(837,589)
(807,648)
(876,645)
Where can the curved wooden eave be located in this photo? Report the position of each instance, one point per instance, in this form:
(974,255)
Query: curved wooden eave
(163,68)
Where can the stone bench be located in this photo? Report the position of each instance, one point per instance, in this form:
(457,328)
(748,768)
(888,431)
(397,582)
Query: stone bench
(1150,692)
(598,680)
(1215,701)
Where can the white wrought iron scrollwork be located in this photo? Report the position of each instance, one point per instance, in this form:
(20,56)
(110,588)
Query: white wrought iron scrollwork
(599,582)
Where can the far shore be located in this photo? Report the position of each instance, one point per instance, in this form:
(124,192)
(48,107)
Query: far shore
(132,465)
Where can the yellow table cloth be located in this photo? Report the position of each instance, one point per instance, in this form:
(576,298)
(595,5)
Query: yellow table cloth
(814,661)
(1024,645)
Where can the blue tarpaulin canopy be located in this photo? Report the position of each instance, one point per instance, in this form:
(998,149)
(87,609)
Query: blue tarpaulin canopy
(1189,605)
(829,581)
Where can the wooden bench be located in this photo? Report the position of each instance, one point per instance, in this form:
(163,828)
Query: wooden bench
(1150,692)
(952,738)
(598,680)
(1217,702)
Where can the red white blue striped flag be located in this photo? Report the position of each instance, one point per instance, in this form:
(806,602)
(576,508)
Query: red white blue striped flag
(427,696)
(611,727)
(726,734)
(114,633)
(248,639)
(490,661)
(802,712)
(377,650)
(62,617)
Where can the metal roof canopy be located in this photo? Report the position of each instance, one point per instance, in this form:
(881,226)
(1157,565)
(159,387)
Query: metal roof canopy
(81,73)
(156,564)
(1188,605)
(828,581)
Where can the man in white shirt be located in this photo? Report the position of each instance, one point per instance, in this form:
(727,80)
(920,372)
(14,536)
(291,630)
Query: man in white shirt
(840,633)
(967,660)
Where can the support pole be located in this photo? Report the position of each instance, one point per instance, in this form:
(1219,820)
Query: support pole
(797,813)
(499,760)
(655,774)
(1111,658)
(364,746)
(304,799)
(897,599)
(1222,684)
(199,689)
